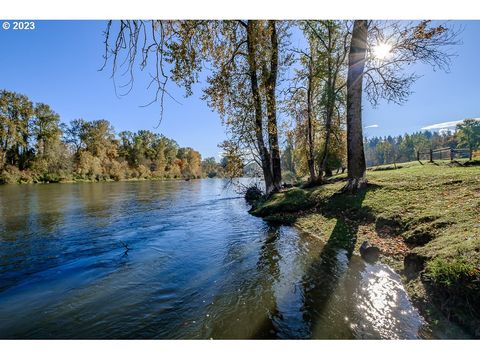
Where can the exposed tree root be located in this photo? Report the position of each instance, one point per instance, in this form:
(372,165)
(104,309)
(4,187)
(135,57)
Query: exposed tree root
(354,184)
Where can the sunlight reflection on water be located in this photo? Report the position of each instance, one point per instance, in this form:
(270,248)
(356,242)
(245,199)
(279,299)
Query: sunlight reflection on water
(383,307)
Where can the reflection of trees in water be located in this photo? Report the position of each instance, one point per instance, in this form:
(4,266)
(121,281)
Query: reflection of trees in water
(325,287)
(49,221)
(35,209)
(16,215)
(106,209)
(16,252)
(147,192)
(96,199)
(245,306)
(268,267)
(30,223)
(321,290)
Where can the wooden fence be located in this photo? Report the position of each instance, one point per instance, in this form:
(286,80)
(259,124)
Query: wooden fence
(446,153)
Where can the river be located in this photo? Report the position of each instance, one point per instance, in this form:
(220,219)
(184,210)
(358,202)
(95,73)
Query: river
(180,260)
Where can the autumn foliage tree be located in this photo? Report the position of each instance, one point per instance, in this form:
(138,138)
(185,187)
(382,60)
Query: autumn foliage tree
(244,58)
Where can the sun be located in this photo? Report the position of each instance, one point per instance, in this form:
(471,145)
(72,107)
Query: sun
(382,51)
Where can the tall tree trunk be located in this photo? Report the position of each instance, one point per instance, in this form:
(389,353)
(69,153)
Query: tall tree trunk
(271,87)
(356,64)
(330,107)
(310,157)
(5,149)
(329,103)
(264,154)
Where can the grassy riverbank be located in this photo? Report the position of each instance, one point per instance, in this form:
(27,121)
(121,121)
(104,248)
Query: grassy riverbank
(424,218)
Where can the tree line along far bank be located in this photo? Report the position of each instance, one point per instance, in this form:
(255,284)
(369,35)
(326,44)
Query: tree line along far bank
(36,147)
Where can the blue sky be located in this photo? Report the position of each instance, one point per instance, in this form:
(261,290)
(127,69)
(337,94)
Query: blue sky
(58,63)
(437,97)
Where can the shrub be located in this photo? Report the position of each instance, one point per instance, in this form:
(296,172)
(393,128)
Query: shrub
(12,175)
(143,172)
(89,166)
(118,170)
(253,194)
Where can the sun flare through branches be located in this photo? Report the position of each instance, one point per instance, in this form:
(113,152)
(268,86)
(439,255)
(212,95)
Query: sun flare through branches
(382,51)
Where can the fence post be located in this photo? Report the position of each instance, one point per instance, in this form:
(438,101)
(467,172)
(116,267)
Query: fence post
(431,155)
(418,157)
(451,154)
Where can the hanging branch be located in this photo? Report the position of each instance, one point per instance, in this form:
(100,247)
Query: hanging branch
(133,44)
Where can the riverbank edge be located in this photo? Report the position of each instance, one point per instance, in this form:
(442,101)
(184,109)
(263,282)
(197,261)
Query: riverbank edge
(90,181)
(304,213)
(438,325)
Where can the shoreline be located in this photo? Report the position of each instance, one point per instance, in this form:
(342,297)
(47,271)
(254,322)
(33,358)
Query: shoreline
(407,220)
(87,181)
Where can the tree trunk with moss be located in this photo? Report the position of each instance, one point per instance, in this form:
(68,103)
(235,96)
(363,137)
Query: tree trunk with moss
(330,107)
(271,87)
(263,151)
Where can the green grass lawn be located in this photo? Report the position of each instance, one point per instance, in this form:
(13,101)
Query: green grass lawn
(425,218)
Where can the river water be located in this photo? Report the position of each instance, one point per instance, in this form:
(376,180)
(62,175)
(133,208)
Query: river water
(198,267)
